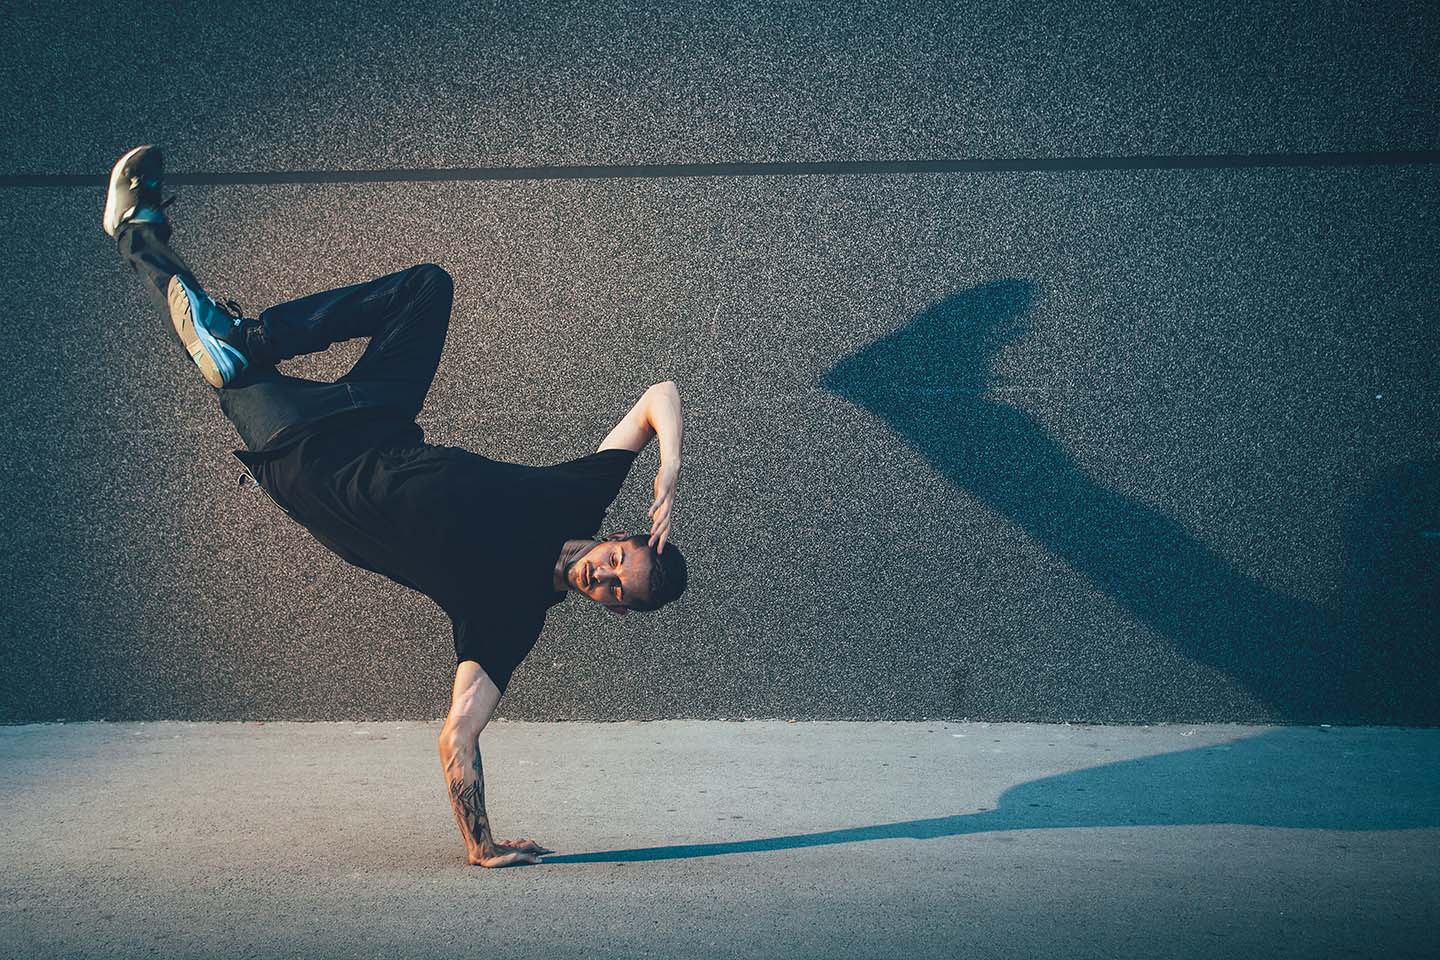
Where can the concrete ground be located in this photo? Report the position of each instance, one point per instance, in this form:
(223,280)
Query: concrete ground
(723,839)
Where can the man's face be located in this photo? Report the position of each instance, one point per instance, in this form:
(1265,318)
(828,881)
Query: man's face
(612,572)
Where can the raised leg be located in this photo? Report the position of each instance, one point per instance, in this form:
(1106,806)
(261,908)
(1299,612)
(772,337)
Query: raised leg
(405,314)
(145,247)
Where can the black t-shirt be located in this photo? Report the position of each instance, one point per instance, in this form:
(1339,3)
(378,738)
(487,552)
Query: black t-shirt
(478,536)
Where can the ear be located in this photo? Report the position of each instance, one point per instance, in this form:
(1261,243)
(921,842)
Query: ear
(618,535)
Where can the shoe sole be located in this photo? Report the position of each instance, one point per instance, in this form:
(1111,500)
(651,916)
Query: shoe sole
(116,175)
(202,347)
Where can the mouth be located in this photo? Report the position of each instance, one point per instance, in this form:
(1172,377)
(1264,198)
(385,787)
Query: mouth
(585,577)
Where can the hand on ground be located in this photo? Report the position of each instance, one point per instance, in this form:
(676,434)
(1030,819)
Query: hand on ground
(510,853)
(527,846)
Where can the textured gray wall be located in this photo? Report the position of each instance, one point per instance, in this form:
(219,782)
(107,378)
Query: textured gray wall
(1076,444)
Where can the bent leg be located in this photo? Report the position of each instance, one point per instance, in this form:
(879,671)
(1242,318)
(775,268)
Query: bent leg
(260,402)
(405,314)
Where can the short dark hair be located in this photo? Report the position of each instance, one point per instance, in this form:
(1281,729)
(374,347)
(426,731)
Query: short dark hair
(668,576)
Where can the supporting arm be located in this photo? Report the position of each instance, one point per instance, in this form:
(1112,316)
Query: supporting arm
(472,704)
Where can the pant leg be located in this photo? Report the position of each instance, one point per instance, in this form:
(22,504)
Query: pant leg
(406,314)
(146,250)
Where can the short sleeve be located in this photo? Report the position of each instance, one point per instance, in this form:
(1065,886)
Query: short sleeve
(601,473)
(497,644)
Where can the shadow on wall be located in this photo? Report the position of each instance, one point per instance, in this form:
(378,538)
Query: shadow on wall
(1370,660)
(1300,778)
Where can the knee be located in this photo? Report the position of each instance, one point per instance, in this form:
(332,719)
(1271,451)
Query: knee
(433,291)
(433,275)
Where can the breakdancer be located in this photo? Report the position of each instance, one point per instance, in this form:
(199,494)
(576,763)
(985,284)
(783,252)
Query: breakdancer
(495,544)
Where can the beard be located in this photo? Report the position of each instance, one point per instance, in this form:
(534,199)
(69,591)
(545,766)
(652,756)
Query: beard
(572,572)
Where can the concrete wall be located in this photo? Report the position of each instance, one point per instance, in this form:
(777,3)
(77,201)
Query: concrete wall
(1101,441)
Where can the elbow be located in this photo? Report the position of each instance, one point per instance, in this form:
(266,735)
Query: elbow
(455,744)
(456,757)
(667,392)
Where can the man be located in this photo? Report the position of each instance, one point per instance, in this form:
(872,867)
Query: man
(495,544)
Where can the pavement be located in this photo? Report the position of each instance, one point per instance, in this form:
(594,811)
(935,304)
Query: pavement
(723,839)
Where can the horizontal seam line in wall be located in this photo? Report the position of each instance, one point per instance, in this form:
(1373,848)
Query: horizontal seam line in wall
(818,168)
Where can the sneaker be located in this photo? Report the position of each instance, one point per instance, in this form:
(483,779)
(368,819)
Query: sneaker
(213,335)
(134,193)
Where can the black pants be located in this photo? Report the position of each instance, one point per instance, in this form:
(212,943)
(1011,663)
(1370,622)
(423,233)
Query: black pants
(406,315)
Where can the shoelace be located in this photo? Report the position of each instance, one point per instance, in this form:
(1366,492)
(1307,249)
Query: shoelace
(231,307)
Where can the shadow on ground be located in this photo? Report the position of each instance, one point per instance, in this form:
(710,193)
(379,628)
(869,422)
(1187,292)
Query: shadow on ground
(1299,778)
(1369,659)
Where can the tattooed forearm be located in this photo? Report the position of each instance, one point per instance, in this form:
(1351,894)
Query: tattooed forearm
(467,797)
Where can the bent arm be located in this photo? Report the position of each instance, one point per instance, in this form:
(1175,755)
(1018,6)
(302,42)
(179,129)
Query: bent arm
(655,414)
(472,703)
(663,413)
